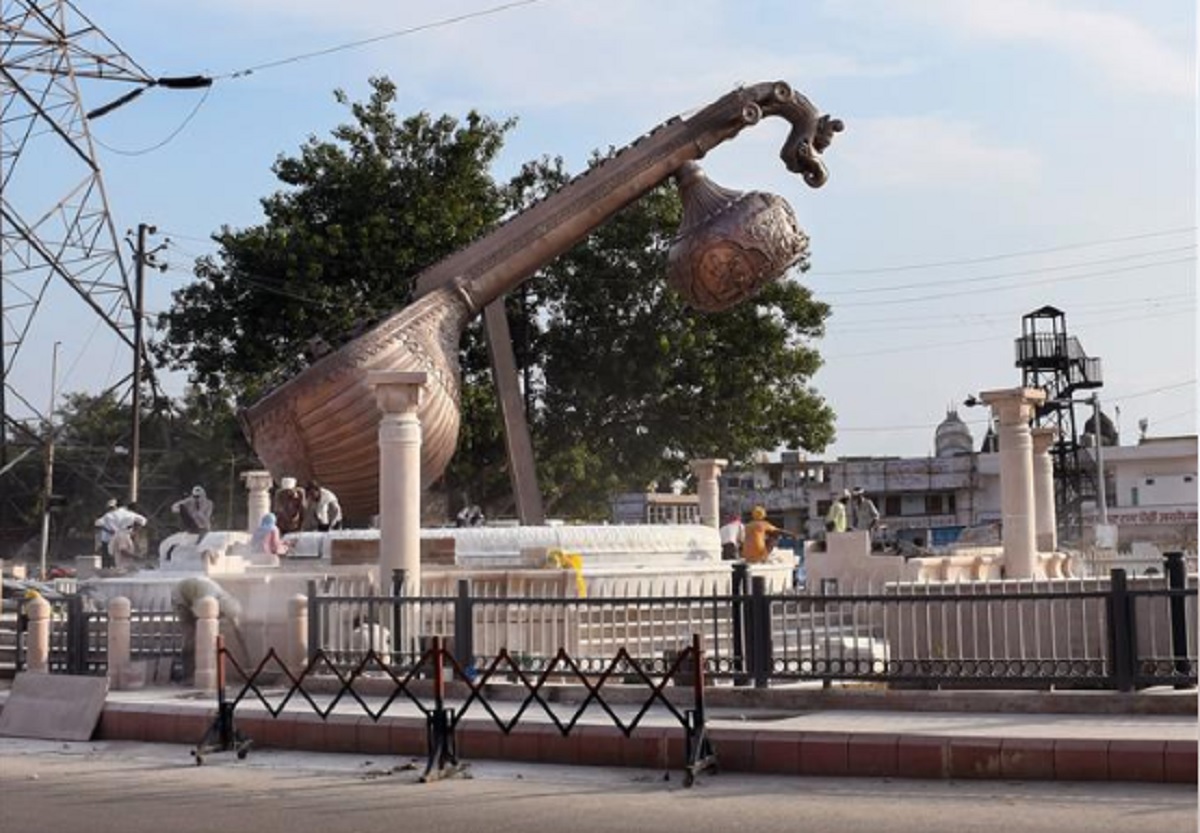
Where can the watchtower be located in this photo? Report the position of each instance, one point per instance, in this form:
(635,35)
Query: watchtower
(1051,359)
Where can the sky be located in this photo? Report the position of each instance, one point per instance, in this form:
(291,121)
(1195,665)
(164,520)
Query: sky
(997,157)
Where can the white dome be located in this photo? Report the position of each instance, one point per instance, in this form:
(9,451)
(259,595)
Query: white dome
(952,437)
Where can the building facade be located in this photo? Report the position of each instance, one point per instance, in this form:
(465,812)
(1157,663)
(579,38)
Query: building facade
(1150,491)
(928,501)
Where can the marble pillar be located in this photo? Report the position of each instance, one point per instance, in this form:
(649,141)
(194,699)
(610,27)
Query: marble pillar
(708,489)
(1045,517)
(398,395)
(258,497)
(1013,409)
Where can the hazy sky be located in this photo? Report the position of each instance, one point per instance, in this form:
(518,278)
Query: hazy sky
(999,155)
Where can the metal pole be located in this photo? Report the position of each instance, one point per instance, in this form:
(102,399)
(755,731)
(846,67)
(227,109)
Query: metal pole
(135,443)
(1121,637)
(1097,438)
(49,486)
(1176,570)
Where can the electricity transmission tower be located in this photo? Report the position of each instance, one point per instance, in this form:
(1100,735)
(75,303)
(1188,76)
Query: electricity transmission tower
(60,249)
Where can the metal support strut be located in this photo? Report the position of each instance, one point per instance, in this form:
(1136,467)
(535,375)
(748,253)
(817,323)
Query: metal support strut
(439,726)
(700,754)
(222,734)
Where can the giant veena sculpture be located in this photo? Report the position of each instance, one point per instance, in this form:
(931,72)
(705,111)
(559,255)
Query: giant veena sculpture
(323,423)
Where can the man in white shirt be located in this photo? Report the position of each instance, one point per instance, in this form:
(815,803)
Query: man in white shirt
(324,512)
(733,535)
(117,525)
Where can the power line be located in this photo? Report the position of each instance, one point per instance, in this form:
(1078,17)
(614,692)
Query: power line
(1140,394)
(909,348)
(922,427)
(1003,315)
(186,121)
(985,420)
(436,24)
(1005,255)
(174,235)
(1006,320)
(1171,417)
(1065,279)
(264,284)
(1003,275)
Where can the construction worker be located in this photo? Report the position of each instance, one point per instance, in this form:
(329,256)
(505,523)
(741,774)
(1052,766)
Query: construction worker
(761,536)
(835,518)
(184,596)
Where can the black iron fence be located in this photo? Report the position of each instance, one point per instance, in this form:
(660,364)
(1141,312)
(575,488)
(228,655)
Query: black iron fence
(1110,633)
(79,637)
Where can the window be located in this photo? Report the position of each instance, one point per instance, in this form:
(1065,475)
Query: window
(933,504)
(892,505)
(951,508)
(1133,496)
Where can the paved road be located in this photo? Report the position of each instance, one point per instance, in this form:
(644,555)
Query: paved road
(121,787)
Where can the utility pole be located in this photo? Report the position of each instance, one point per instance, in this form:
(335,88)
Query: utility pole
(49,486)
(141,258)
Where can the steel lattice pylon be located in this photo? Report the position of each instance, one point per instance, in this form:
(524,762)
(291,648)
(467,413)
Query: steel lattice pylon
(55,224)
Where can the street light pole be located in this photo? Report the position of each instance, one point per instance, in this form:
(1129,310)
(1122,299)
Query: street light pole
(135,442)
(1098,439)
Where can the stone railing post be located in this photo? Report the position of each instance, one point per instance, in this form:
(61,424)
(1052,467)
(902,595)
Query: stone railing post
(297,633)
(37,646)
(708,489)
(1046,519)
(119,641)
(258,497)
(208,626)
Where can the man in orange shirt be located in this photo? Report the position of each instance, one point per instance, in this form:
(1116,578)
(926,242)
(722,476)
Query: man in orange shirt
(761,536)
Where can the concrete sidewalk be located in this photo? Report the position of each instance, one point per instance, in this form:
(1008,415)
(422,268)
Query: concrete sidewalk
(1148,736)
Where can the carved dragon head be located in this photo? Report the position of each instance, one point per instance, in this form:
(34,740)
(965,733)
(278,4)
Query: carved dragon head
(811,133)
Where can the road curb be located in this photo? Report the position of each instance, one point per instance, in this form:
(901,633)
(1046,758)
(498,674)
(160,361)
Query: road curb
(758,750)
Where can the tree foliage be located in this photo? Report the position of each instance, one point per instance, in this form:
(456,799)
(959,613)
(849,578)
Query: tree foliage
(624,384)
